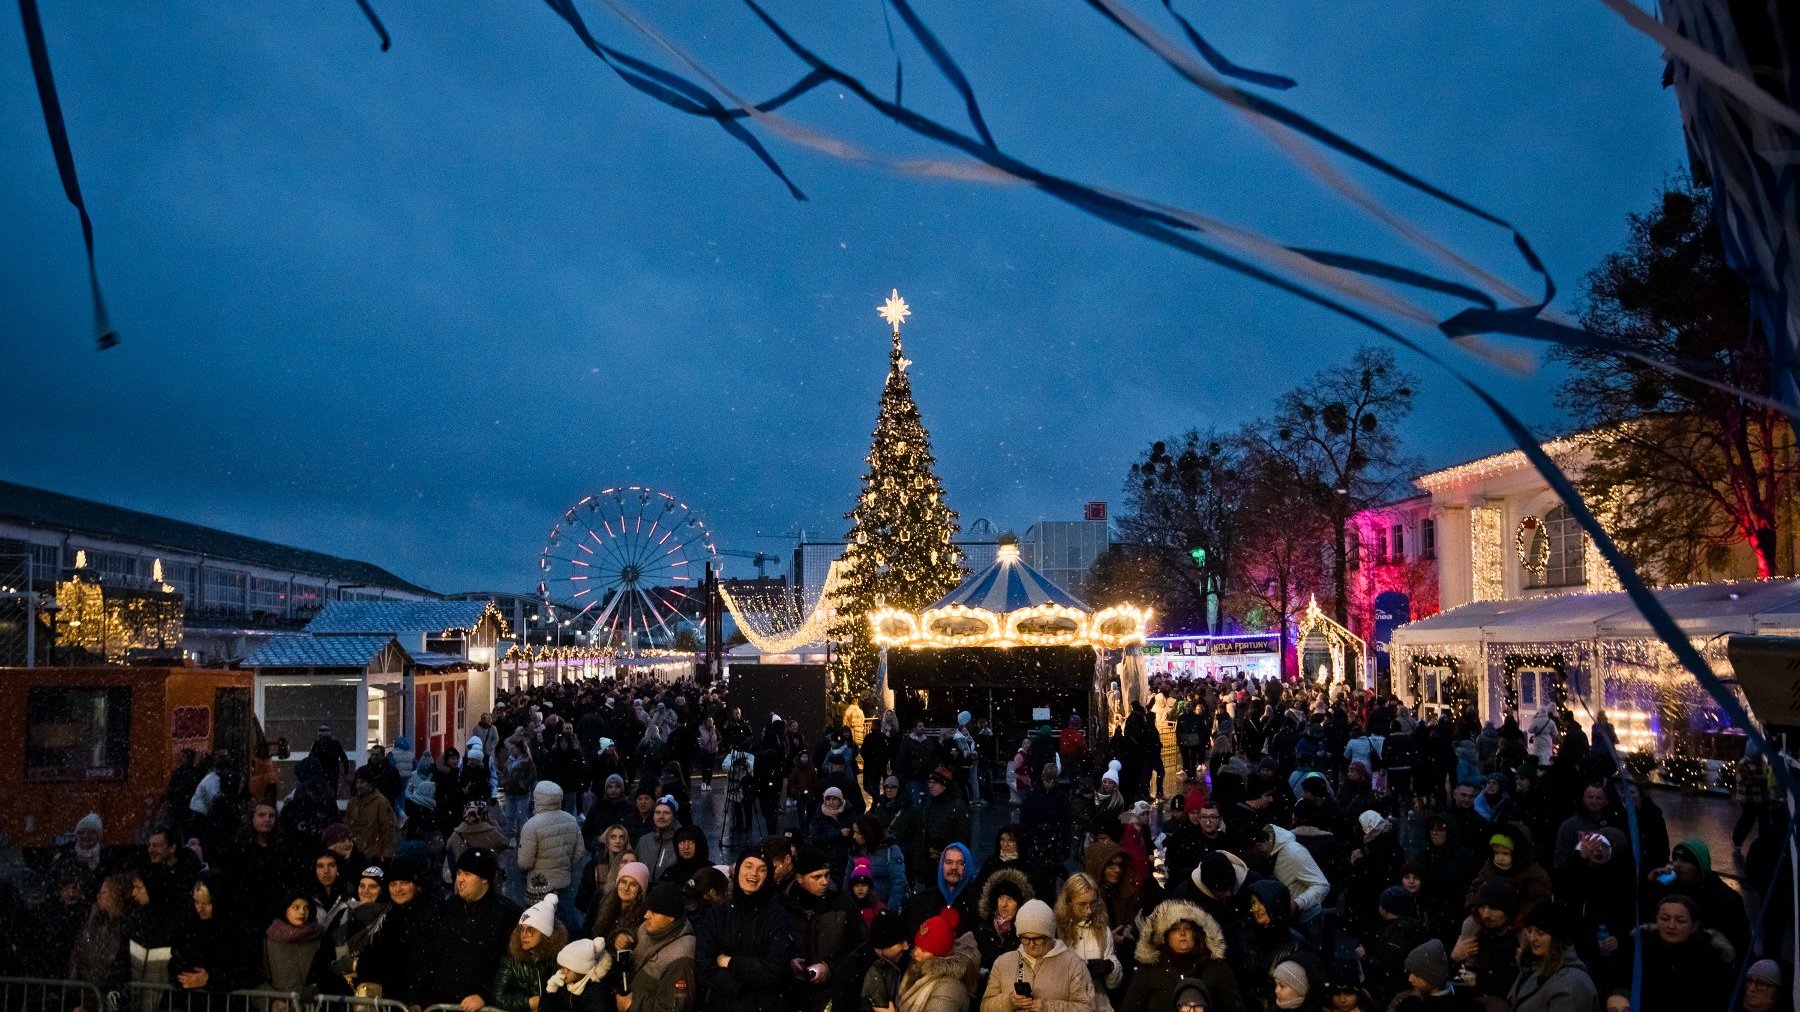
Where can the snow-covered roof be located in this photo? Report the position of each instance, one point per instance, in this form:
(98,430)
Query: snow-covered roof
(303,650)
(397,617)
(436,661)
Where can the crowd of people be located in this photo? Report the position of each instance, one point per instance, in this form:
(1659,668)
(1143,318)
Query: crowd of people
(1314,851)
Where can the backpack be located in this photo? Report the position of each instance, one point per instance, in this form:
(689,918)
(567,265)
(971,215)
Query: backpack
(1376,763)
(520,778)
(1399,749)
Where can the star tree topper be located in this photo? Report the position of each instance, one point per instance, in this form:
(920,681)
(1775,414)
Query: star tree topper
(895,312)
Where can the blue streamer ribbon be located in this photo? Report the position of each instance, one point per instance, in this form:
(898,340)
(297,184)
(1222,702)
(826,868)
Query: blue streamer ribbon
(1392,272)
(678,92)
(104,335)
(1217,60)
(946,65)
(888,24)
(375,22)
(1337,142)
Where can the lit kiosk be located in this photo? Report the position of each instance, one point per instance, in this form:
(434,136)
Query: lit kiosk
(1010,645)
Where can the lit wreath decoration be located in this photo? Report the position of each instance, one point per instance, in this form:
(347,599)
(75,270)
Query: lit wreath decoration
(1534,552)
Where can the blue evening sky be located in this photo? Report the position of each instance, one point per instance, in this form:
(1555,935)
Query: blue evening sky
(407,306)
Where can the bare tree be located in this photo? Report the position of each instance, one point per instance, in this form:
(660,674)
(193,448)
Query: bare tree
(1684,472)
(1181,523)
(1284,554)
(1341,428)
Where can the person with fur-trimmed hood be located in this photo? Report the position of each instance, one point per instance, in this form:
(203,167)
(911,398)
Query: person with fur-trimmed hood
(530,959)
(1181,941)
(1218,886)
(1004,892)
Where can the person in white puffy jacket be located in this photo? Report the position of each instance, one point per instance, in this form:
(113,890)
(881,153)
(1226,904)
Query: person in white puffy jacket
(550,844)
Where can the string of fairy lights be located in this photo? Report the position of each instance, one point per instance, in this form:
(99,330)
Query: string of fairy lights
(779,620)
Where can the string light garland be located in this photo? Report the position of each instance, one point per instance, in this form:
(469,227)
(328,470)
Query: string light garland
(1515,661)
(1533,545)
(1044,625)
(1486,558)
(113,624)
(1510,462)
(1415,676)
(1339,641)
(778,622)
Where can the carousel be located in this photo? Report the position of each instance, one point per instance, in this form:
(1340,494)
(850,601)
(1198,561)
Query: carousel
(1011,639)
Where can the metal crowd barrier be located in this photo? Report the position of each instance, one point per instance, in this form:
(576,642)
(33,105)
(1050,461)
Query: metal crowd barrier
(355,1003)
(43,994)
(147,997)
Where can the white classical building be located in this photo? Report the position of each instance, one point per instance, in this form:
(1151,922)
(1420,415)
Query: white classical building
(1532,615)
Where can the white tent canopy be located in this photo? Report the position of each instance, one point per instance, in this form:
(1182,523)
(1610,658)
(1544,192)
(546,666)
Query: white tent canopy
(1702,610)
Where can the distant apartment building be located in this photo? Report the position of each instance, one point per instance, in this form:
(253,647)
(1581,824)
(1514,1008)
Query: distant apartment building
(1065,550)
(236,590)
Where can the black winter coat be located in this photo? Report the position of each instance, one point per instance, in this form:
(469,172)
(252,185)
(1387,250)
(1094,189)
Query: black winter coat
(467,947)
(225,949)
(944,820)
(758,934)
(397,958)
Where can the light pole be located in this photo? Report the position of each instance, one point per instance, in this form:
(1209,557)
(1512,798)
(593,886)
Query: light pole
(52,609)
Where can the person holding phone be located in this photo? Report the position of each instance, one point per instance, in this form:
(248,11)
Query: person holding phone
(1042,974)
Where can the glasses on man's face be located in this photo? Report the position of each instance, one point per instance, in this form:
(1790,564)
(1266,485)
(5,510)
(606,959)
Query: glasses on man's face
(1034,940)
(1767,985)
(1191,1006)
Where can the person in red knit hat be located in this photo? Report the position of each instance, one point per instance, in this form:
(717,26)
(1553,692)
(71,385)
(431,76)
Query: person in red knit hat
(945,966)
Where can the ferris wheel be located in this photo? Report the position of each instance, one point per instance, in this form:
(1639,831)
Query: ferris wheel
(625,567)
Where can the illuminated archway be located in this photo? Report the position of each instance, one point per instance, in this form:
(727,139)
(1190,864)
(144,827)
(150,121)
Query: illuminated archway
(1341,646)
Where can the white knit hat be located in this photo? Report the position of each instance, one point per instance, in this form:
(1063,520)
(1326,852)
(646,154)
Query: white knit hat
(1112,771)
(541,915)
(1035,918)
(90,821)
(1370,821)
(584,956)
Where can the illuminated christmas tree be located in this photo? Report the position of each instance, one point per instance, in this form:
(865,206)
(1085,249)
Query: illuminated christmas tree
(899,552)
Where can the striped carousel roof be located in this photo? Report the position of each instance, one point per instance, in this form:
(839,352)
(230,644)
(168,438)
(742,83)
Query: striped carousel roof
(1008,585)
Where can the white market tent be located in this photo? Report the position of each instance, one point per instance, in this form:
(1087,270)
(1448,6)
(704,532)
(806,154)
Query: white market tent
(1597,647)
(1703,610)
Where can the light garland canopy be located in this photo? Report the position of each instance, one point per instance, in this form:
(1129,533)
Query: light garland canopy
(1010,604)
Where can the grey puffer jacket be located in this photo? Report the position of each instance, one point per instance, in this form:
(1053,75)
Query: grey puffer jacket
(550,841)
